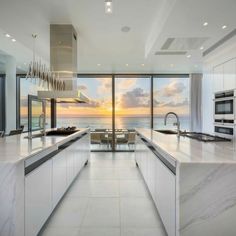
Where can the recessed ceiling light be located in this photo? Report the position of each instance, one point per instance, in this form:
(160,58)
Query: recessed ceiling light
(127,64)
(188,56)
(201,48)
(98,64)
(13,40)
(108,6)
(224,26)
(142,65)
(205,24)
(8,35)
(171,65)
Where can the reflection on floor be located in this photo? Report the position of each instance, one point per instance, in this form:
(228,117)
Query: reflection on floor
(109,198)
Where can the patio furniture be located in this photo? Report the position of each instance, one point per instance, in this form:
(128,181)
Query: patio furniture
(95,138)
(131,138)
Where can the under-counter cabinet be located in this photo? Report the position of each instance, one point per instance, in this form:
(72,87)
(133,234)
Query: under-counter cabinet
(38,198)
(161,182)
(46,183)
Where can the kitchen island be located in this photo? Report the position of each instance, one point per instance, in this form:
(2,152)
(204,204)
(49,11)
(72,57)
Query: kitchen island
(34,175)
(192,183)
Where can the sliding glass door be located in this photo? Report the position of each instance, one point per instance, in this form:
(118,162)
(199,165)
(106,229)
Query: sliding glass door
(2,103)
(97,114)
(132,109)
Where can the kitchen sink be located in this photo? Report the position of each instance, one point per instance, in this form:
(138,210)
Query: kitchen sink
(164,131)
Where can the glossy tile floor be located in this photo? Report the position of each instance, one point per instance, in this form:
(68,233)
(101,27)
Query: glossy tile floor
(109,198)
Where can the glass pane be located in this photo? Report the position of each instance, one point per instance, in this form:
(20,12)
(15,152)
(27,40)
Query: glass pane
(132,109)
(2,92)
(30,87)
(37,110)
(97,114)
(171,95)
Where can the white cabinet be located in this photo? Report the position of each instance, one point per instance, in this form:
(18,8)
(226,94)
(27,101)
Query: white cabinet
(160,181)
(230,75)
(165,194)
(59,178)
(225,76)
(218,78)
(38,198)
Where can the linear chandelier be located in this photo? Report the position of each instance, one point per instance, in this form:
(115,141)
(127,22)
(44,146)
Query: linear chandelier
(41,72)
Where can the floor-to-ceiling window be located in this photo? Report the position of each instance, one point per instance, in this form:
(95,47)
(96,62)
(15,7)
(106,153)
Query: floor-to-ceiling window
(97,114)
(30,87)
(2,103)
(132,108)
(171,93)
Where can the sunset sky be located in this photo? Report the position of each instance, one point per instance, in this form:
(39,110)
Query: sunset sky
(132,97)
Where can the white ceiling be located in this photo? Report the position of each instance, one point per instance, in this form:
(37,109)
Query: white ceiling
(101,40)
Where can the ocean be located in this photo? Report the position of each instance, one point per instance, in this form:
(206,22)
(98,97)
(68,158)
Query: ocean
(121,122)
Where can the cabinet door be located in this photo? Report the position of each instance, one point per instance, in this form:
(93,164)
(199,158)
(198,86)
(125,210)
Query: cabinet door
(230,75)
(58,177)
(165,196)
(70,166)
(218,78)
(38,198)
(151,173)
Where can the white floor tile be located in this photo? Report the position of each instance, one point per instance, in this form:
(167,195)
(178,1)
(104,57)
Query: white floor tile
(143,232)
(69,213)
(99,232)
(95,188)
(58,231)
(99,174)
(129,173)
(133,188)
(102,212)
(139,212)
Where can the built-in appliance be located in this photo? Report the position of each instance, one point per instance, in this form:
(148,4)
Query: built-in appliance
(205,137)
(63,131)
(224,106)
(224,130)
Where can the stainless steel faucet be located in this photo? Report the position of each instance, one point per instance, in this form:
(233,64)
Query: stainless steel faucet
(42,123)
(176,123)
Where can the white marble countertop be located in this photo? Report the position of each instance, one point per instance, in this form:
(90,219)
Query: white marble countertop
(187,150)
(17,148)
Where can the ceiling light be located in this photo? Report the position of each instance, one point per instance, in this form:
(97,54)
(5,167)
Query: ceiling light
(13,40)
(224,26)
(98,64)
(188,56)
(127,64)
(171,65)
(205,24)
(142,64)
(125,29)
(108,6)
(201,48)
(8,35)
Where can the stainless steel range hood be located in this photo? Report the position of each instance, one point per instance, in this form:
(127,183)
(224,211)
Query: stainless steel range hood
(63,61)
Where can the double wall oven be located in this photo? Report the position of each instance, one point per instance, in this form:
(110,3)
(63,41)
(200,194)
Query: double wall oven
(224,113)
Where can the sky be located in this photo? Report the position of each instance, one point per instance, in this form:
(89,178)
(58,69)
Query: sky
(132,97)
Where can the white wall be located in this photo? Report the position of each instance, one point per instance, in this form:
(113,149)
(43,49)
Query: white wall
(222,54)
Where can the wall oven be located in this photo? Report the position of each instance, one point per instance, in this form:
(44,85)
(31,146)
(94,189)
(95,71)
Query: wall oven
(224,106)
(224,131)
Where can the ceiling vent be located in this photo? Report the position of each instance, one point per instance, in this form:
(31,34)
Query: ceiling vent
(170,53)
(183,44)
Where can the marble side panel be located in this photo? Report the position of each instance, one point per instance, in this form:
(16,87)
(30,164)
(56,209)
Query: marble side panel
(206,199)
(12,199)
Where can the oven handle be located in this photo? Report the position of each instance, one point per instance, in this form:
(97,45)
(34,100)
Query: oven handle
(223,99)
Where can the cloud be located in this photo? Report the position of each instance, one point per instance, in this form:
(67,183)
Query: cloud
(135,98)
(124,84)
(172,104)
(82,87)
(172,89)
(105,85)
